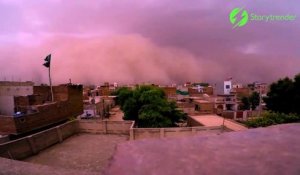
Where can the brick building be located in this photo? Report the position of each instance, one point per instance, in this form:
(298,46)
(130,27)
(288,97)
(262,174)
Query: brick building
(204,106)
(170,92)
(8,91)
(35,111)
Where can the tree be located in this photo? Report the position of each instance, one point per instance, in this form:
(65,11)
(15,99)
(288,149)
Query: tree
(254,100)
(284,96)
(122,94)
(148,106)
(246,103)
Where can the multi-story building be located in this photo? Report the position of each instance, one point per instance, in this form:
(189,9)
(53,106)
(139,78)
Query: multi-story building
(240,90)
(225,102)
(228,86)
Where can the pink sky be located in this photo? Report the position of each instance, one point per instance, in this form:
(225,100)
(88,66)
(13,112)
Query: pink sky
(169,41)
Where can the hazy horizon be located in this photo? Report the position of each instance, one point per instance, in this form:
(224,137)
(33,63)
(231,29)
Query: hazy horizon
(155,41)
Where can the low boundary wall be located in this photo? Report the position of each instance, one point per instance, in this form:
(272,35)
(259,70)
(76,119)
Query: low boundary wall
(240,115)
(105,126)
(146,133)
(30,145)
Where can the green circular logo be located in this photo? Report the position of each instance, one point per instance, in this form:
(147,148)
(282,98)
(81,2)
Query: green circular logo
(238,17)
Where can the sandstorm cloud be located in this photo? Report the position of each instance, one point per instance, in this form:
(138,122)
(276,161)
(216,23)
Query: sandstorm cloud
(148,41)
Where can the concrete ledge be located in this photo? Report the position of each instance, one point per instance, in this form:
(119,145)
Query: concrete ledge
(273,150)
(147,133)
(30,145)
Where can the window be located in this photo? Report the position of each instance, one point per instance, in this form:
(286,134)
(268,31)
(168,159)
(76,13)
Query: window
(227,86)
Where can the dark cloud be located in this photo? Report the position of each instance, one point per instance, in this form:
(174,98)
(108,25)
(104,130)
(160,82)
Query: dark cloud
(161,41)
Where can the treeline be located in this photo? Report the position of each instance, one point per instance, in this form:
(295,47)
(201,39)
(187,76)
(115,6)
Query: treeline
(283,103)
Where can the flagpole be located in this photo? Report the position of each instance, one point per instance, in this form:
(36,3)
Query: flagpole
(48,65)
(52,98)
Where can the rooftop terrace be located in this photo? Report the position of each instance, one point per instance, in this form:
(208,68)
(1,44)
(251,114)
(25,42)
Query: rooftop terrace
(273,150)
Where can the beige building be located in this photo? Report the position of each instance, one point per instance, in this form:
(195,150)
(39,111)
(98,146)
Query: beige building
(226,102)
(204,106)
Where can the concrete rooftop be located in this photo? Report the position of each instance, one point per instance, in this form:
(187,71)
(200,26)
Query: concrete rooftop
(273,150)
(83,152)
(215,120)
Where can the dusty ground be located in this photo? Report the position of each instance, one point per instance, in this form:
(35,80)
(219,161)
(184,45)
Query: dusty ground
(86,152)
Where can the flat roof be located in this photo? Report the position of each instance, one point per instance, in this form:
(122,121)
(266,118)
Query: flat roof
(215,120)
(16,83)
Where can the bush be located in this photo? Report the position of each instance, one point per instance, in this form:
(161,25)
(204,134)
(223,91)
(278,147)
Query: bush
(272,118)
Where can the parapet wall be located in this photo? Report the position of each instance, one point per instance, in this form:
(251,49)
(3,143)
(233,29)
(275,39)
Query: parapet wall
(240,115)
(27,146)
(127,128)
(7,124)
(30,145)
(146,133)
(105,127)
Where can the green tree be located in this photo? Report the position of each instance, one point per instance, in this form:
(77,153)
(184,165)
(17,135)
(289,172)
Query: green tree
(123,94)
(284,96)
(148,106)
(246,103)
(254,100)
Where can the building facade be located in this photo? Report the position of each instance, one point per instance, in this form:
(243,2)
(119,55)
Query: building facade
(8,91)
(36,111)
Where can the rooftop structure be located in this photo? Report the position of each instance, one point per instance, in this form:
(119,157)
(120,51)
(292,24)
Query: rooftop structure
(8,90)
(36,111)
(227,86)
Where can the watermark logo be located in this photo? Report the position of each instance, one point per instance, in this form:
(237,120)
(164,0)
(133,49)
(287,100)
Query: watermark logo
(238,17)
